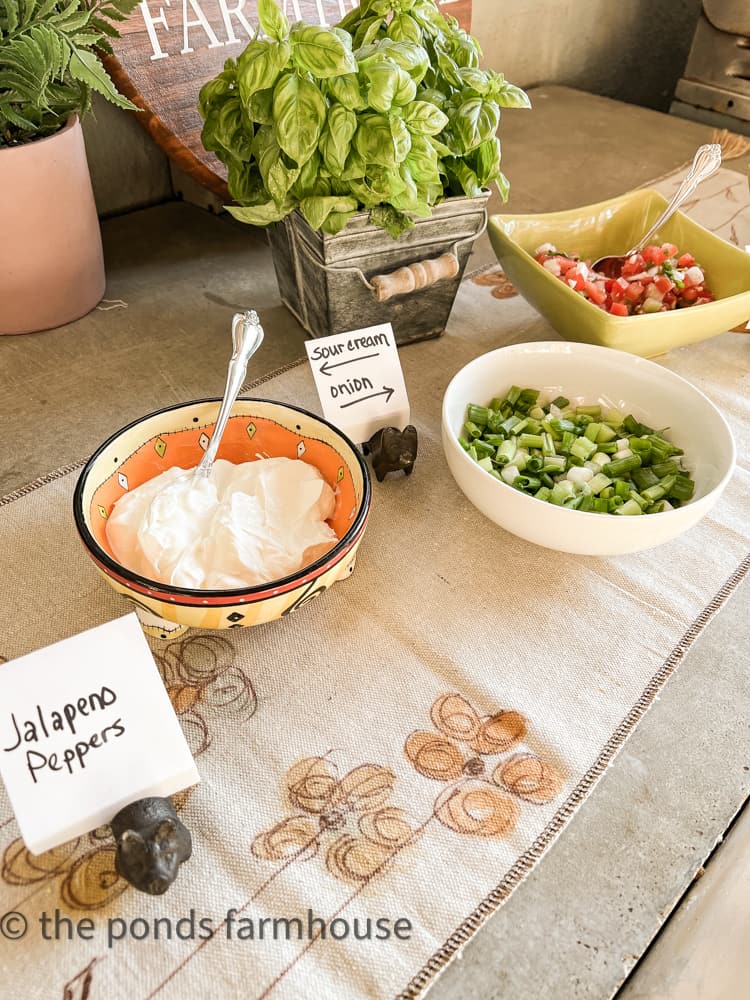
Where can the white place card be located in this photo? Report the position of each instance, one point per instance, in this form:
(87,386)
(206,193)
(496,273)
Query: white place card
(359,381)
(87,727)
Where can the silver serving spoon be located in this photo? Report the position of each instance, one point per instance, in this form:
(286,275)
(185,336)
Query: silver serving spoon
(247,336)
(706,162)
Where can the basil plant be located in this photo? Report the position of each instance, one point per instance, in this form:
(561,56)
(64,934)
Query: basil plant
(388,112)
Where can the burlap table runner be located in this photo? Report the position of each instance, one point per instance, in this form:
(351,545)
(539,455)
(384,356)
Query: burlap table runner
(403,749)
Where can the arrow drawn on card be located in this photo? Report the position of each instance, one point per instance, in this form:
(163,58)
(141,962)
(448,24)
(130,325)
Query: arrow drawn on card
(327,367)
(386,392)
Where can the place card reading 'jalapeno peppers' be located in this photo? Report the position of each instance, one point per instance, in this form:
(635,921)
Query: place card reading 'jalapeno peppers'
(86,728)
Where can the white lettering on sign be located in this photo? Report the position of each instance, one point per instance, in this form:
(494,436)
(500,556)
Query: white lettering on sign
(87,727)
(359,381)
(200,20)
(150,21)
(228,13)
(193,16)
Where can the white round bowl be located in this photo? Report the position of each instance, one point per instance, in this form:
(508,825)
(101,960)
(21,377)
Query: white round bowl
(588,375)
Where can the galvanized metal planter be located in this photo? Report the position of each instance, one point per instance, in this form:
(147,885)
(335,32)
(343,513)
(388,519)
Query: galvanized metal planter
(346,282)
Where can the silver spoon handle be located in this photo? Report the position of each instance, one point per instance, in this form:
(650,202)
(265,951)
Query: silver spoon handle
(705,163)
(247,336)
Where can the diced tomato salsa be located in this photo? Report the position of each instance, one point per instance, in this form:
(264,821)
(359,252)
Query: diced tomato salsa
(657,280)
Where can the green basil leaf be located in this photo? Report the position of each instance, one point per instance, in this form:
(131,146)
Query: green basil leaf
(300,111)
(246,184)
(475,122)
(476,80)
(215,91)
(272,20)
(336,222)
(503,186)
(407,90)
(434,193)
(401,138)
(403,28)
(380,185)
(409,56)
(462,178)
(447,67)
(278,176)
(260,215)
(428,16)
(345,37)
(280,180)
(382,82)
(367,32)
(317,210)
(346,90)
(488,161)
(259,66)
(509,96)
(260,107)
(394,222)
(422,161)
(320,51)
(387,83)
(382,140)
(433,96)
(336,140)
(311,181)
(466,51)
(407,200)
(424,118)
(355,167)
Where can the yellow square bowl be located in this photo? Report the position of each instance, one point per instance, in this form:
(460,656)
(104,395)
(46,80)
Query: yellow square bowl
(611,227)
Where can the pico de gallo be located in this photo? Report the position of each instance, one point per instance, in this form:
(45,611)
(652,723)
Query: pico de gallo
(658,279)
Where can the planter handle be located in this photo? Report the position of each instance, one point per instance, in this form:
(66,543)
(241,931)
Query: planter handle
(412,278)
(420,274)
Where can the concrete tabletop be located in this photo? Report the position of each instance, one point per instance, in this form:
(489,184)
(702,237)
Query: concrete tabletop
(578,925)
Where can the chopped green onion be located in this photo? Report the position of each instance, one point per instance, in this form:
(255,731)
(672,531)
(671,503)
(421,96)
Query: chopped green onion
(478,414)
(629,507)
(599,482)
(568,439)
(644,478)
(668,468)
(483,449)
(582,448)
(575,457)
(527,483)
(506,452)
(683,489)
(530,441)
(605,434)
(622,465)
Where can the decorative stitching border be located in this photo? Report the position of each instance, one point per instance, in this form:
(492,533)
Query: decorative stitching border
(518,872)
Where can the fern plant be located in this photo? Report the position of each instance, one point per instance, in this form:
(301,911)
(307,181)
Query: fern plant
(49,62)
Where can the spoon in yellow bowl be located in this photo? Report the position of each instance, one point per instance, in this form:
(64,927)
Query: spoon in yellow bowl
(706,162)
(247,336)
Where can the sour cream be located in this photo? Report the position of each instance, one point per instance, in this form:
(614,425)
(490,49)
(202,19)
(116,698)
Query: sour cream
(242,526)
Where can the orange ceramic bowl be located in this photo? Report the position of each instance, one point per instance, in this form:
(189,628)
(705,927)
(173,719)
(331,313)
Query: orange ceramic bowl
(178,436)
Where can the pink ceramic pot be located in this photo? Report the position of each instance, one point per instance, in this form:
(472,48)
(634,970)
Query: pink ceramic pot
(51,263)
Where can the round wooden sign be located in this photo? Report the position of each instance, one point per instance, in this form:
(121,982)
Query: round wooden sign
(169,48)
